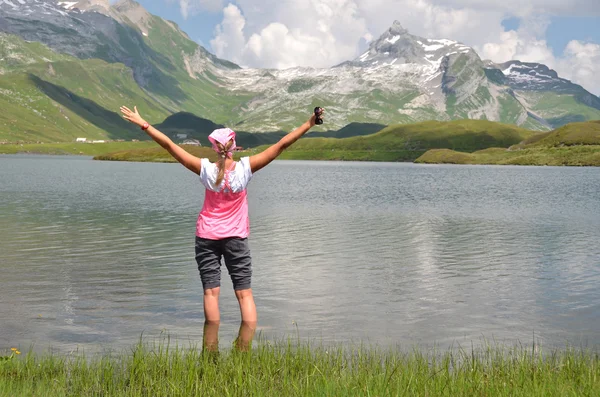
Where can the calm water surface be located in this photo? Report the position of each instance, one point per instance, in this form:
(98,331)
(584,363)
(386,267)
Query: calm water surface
(93,254)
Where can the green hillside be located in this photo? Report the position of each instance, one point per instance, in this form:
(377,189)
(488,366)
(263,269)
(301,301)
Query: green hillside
(58,101)
(400,142)
(576,144)
(585,133)
(406,142)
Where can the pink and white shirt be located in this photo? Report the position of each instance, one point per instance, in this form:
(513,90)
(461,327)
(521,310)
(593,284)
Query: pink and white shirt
(225,210)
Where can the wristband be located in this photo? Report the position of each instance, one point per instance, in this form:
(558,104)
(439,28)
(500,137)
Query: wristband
(145,126)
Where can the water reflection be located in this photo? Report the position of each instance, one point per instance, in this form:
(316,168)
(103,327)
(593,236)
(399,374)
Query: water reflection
(242,343)
(95,254)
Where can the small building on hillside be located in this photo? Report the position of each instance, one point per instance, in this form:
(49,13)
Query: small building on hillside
(193,142)
(81,140)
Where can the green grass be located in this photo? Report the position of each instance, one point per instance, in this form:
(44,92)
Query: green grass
(586,133)
(84,149)
(395,143)
(351,155)
(455,142)
(51,97)
(287,369)
(576,144)
(408,142)
(562,156)
(158,154)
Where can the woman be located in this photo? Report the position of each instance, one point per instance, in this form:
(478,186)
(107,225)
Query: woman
(223,226)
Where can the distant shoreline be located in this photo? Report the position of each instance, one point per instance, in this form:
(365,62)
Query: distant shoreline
(574,156)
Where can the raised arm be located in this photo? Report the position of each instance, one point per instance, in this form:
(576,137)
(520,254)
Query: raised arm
(263,158)
(188,160)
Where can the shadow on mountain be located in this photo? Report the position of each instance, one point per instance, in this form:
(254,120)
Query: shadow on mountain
(564,120)
(94,35)
(352,129)
(200,128)
(111,122)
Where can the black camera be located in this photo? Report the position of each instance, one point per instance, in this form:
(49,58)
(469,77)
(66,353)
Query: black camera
(318,112)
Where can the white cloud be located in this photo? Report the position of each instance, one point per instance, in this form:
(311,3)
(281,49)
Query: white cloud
(525,44)
(191,7)
(229,41)
(524,8)
(312,33)
(581,64)
(322,33)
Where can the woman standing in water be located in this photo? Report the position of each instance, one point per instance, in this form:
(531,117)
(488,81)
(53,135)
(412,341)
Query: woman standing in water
(223,226)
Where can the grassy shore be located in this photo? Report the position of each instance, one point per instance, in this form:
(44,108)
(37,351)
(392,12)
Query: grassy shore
(282,369)
(454,142)
(69,148)
(394,143)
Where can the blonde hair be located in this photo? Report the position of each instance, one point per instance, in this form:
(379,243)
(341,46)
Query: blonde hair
(223,150)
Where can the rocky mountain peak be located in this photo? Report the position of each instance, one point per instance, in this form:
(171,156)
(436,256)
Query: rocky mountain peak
(397,29)
(398,46)
(127,5)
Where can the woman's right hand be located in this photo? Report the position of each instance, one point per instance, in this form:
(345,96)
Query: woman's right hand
(132,116)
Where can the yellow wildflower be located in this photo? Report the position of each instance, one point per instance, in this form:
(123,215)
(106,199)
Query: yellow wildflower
(14,349)
(17,352)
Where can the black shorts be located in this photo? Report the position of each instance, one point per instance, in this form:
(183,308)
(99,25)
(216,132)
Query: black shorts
(236,253)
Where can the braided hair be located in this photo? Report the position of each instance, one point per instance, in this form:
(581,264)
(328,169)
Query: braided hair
(223,150)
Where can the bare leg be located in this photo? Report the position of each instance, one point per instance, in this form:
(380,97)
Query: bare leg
(212,319)
(249,319)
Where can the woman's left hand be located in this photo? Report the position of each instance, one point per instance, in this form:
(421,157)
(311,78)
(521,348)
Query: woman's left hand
(313,119)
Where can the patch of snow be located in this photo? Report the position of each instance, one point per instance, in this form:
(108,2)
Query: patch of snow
(508,70)
(444,41)
(434,47)
(433,76)
(67,5)
(393,62)
(386,53)
(435,64)
(7,2)
(393,39)
(364,56)
(145,34)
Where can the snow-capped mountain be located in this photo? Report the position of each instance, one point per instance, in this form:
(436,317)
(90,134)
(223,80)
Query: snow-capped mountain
(397,45)
(401,78)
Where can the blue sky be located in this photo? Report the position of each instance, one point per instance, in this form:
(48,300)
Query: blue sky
(564,29)
(563,34)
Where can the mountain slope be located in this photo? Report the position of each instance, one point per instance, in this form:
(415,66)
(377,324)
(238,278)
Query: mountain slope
(50,97)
